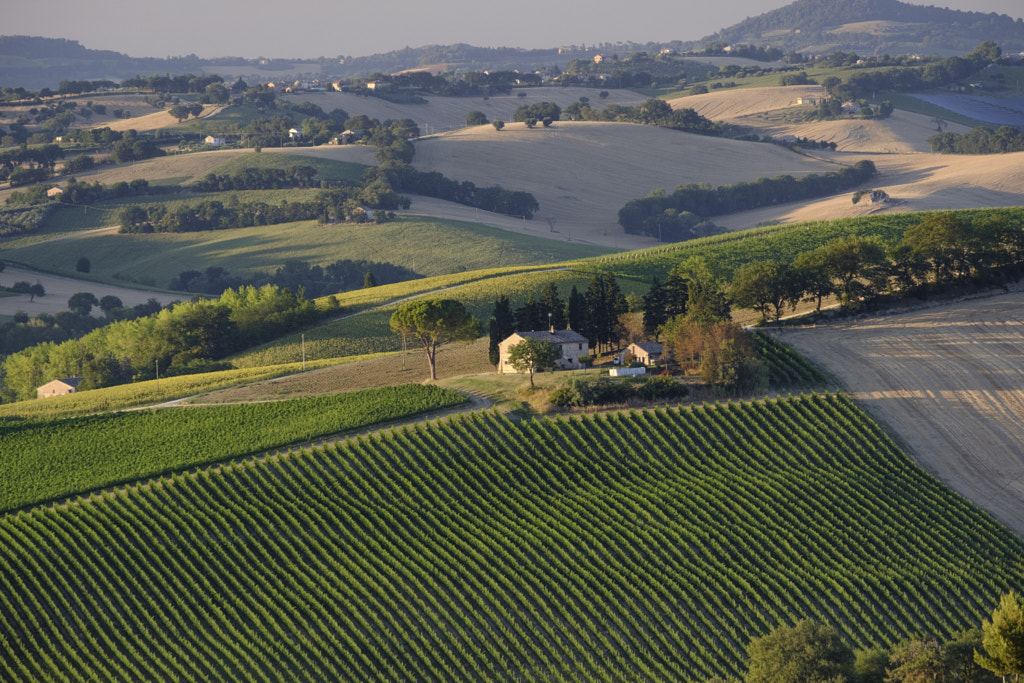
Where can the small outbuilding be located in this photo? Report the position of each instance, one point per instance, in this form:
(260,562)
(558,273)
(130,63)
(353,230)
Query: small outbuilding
(58,387)
(572,343)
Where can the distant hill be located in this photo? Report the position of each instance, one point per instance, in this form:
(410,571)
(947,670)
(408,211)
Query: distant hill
(867,27)
(873,27)
(34,63)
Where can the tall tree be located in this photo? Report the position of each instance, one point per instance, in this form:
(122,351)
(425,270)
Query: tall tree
(762,286)
(655,314)
(677,293)
(500,325)
(1003,639)
(551,305)
(576,311)
(528,317)
(435,322)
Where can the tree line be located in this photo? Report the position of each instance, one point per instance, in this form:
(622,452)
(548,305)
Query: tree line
(813,651)
(980,140)
(653,112)
(651,215)
(184,338)
(314,281)
(868,81)
(22,331)
(943,249)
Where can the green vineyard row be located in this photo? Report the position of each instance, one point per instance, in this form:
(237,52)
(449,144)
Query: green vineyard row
(643,545)
(47,459)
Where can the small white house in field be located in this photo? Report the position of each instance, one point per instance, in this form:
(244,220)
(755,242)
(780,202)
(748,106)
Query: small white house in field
(214,140)
(572,343)
(55,192)
(58,387)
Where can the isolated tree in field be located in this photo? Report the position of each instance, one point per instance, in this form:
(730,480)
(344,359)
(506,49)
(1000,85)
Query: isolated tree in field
(808,652)
(1003,639)
(434,322)
(533,355)
(36,290)
(498,124)
(83,265)
(476,118)
(180,112)
(110,303)
(82,303)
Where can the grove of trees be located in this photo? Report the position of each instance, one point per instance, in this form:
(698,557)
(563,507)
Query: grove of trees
(184,338)
(647,216)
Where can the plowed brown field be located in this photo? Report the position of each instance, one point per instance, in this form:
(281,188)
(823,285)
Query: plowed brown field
(948,382)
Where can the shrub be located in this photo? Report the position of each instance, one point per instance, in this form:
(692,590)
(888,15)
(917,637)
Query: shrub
(661,387)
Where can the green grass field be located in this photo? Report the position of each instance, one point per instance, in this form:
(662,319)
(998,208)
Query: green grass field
(648,545)
(326,169)
(429,247)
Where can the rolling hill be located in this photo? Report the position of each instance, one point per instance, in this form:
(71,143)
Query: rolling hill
(872,27)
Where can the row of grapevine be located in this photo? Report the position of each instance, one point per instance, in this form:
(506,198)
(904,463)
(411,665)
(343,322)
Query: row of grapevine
(786,368)
(643,545)
(47,459)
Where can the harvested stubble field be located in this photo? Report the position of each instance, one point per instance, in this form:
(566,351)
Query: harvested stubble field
(948,381)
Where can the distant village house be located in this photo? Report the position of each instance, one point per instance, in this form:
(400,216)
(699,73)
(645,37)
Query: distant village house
(214,140)
(58,387)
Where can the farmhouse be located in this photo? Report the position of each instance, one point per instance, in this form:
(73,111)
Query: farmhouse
(647,353)
(58,387)
(55,192)
(214,140)
(572,343)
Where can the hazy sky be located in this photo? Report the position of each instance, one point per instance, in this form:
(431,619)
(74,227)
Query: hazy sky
(325,28)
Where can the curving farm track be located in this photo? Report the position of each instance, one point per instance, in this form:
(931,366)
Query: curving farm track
(948,381)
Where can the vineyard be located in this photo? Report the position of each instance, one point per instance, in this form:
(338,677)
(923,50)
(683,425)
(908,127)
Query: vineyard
(643,545)
(46,459)
(787,369)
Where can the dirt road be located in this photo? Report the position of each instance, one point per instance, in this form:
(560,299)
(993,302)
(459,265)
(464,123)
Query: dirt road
(948,381)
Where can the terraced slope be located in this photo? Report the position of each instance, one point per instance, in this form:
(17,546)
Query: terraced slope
(650,545)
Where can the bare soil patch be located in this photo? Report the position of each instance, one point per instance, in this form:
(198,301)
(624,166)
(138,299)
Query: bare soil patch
(453,360)
(948,382)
